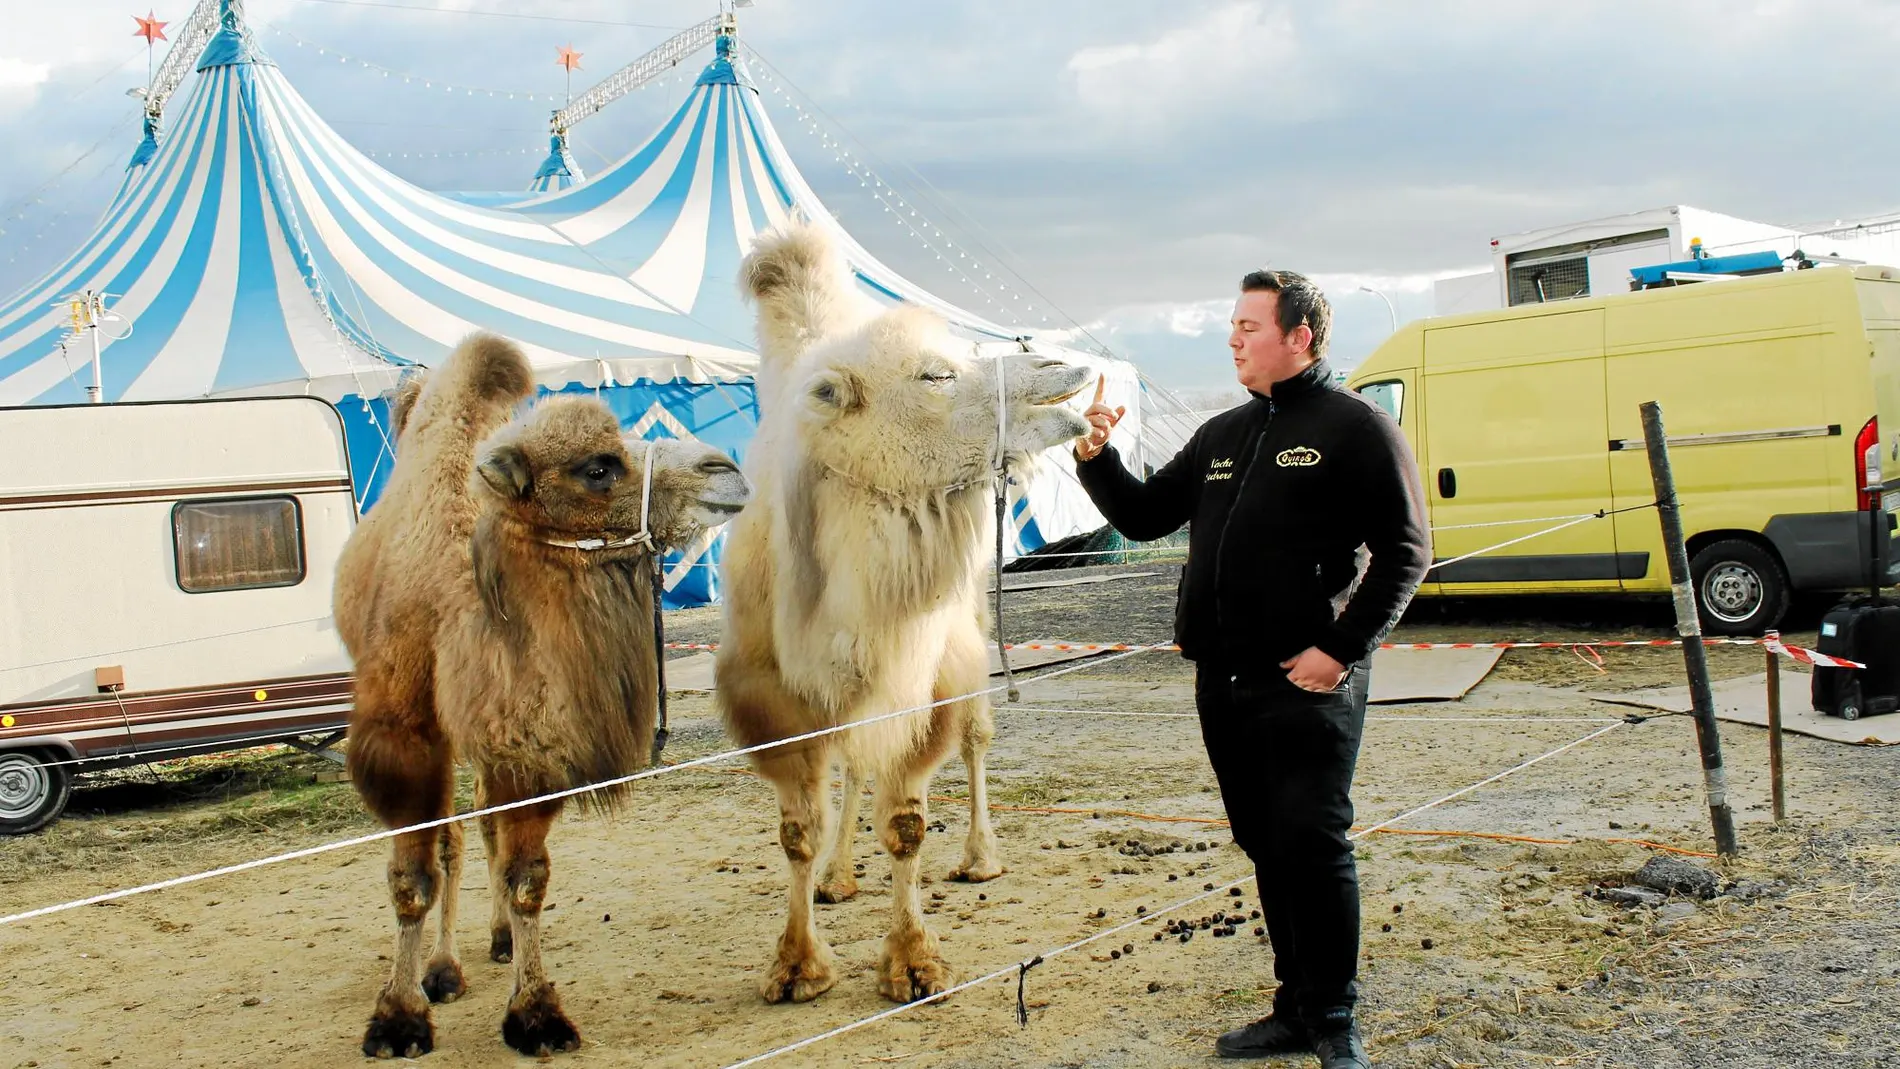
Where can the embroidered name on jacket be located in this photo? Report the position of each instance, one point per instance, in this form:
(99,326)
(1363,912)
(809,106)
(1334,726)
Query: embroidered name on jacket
(1299,456)
(1220,468)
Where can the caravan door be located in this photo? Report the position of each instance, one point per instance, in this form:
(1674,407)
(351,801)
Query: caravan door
(1516,438)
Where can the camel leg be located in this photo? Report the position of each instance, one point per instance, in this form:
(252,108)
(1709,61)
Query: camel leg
(910,966)
(400,1025)
(840,879)
(443,981)
(405,774)
(981,859)
(534,1024)
(804,968)
(965,670)
(501,937)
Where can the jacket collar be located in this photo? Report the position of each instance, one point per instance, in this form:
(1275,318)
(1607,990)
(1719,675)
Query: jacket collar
(1317,378)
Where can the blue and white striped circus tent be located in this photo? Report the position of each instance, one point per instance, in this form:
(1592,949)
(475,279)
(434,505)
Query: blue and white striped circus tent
(255,252)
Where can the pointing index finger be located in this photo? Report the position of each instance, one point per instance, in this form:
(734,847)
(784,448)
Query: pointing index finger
(1101,383)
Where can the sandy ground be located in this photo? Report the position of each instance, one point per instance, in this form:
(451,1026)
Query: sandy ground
(664,918)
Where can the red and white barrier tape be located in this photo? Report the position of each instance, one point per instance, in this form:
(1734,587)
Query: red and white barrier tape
(1798,653)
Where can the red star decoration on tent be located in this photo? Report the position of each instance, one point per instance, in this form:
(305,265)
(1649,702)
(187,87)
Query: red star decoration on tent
(150,28)
(569,58)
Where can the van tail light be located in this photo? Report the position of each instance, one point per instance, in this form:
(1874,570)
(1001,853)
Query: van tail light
(1867,465)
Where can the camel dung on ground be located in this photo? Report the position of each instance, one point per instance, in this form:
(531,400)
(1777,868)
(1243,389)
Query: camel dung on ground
(854,580)
(497,604)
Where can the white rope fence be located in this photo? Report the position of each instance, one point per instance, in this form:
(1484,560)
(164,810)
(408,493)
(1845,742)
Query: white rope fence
(391,833)
(1021,968)
(1014,708)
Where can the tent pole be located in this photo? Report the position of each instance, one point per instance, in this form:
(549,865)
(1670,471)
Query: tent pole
(96,392)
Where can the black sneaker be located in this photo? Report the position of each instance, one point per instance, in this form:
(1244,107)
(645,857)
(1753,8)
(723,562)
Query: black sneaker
(1268,1036)
(1341,1049)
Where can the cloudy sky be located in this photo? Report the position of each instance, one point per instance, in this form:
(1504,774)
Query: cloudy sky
(1119,162)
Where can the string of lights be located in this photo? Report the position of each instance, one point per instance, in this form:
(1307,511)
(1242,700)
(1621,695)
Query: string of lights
(994,292)
(412,79)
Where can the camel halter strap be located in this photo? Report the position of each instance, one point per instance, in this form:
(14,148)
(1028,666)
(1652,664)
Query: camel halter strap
(1002,514)
(642,538)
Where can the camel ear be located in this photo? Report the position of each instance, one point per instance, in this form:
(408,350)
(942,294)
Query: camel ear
(834,390)
(505,469)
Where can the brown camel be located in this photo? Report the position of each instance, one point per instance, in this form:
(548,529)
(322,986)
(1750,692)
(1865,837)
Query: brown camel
(498,606)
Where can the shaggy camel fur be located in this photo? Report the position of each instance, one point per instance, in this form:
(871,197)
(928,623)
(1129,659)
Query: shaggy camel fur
(486,628)
(854,580)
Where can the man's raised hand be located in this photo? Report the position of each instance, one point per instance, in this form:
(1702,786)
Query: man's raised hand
(1102,420)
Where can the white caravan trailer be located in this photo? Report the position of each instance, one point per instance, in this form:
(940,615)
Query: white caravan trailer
(165,580)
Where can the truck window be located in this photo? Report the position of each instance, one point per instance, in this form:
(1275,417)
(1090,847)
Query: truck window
(237,544)
(1387,395)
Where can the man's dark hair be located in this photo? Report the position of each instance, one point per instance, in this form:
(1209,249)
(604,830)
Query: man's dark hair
(1300,302)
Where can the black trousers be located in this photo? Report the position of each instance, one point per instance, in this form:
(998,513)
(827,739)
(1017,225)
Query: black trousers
(1284,758)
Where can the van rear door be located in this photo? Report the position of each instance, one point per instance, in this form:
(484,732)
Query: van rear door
(1879,294)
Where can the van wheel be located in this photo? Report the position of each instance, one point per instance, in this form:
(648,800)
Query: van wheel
(33,792)
(1740,588)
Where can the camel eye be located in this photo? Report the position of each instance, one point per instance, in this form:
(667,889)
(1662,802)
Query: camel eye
(940,378)
(599,473)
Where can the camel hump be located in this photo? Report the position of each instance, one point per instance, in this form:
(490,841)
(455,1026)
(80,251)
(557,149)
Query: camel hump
(803,288)
(485,371)
(798,257)
(403,401)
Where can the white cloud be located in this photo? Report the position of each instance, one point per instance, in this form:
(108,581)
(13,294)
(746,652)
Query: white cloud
(19,78)
(1235,48)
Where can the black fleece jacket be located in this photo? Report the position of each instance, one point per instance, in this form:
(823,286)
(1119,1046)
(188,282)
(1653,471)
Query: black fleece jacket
(1279,495)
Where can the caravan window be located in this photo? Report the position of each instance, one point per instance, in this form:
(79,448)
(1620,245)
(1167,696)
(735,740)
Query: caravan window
(237,543)
(1387,395)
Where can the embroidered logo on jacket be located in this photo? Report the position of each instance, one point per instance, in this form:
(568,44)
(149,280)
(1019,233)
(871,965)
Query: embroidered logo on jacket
(1220,468)
(1299,456)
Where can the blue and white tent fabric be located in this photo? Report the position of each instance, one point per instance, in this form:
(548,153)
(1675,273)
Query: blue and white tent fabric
(559,170)
(254,251)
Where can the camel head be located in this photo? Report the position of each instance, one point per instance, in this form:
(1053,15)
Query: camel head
(902,405)
(890,398)
(566,473)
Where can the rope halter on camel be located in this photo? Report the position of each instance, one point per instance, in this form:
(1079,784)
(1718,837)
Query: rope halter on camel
(642,538)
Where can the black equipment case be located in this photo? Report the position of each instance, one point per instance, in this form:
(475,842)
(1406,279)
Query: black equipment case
(1864,628)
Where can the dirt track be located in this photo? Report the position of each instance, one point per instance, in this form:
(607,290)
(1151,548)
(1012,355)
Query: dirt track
(663,918)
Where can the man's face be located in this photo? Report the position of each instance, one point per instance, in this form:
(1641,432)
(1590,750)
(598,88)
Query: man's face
(1263,355)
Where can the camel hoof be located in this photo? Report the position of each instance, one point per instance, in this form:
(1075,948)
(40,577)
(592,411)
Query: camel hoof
(397,1034)
(501,946)
(832,892)
(800,980)
(907,978)
(535,1026)
(443,982)
(982,871)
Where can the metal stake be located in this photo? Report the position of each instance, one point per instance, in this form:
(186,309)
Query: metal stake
(1688,625)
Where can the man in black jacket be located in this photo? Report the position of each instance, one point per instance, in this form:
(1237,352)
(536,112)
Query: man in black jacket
(1286,497)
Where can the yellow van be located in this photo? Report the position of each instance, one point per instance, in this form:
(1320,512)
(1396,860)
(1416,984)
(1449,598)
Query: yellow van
(1525,417)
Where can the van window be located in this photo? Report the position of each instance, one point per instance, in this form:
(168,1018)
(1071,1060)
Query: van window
(237,543)
(1387,395)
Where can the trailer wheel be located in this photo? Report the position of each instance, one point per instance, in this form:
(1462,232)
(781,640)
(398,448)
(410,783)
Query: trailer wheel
(33,790)
(1740,588)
